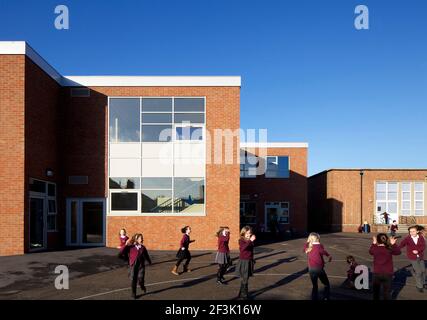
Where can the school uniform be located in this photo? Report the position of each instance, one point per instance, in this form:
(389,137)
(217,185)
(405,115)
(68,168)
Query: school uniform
(138,255)
(393,229)
(351,272)
(222,257)
(245,266)
(123,240)
(184,252)
(123,254)
(316,265)
(417,261)
(383,269)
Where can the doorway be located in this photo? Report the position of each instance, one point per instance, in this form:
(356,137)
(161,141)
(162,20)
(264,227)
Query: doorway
(37,223)
(86,222)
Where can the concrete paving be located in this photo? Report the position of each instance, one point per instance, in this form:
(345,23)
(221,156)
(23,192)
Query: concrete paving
(280,274)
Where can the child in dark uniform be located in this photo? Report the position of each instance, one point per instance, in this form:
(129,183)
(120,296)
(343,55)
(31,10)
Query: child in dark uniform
(222,257)
(351,272)
(246,262)
(123,238)
(138,255)
(183,252)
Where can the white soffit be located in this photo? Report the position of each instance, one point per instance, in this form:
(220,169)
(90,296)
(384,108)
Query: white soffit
(274,145)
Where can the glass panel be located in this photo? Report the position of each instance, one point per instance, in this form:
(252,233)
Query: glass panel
(156,105)
(126,201)
(277,167)
(381,206)
(189,195)
(189,133)
(158,201)
(37,186)
(124,120)
(74,217)
(392,207)
(156,183)
(381,195)
(51,190)
(392,187)
(419,186)
(93,222)
(189,105)
(248,213)
(124,183)
(51,222)
(36,223)
(406,205)
(189,117)
(406,186)
(156,133)
(406,196)
(381,186)
(419,205)
(419,196)
(52,206)
(392,196)
(157,118)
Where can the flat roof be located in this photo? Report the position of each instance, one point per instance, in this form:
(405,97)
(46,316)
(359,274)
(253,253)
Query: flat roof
(22,47)
(274,145)
(368,169)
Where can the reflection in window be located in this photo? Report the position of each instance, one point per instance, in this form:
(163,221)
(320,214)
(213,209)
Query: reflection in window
(156,104)
(189,133)
(156,183)
(157,118)
(277,167)
(189,105)
(189,195)
(156,201)
(189,117)
(126,201)
(124,119)
(124,183)
(156,133)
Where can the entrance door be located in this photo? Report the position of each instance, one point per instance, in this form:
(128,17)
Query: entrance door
(276,215)
(271,219)
(37,223)
(86,222)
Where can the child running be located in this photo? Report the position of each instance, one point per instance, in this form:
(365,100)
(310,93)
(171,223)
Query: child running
(222,257)
(123,238)
(316,265)
(138,255)
(393,228)
(415,245)
(383,249)
(183,251)
(351,272)
(246,260)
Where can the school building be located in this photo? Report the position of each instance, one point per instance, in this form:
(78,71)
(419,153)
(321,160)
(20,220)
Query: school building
(83,156)
(343,199)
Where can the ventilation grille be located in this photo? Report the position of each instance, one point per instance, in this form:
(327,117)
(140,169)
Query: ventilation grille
(80,92)
(78,180)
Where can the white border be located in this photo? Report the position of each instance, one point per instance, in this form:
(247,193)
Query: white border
(274,145)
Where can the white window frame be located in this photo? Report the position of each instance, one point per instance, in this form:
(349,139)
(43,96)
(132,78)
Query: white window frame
(417,212)
(174,141)
(402,210)
(386,200)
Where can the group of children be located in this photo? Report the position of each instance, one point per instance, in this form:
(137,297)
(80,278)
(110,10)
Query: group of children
(383,249)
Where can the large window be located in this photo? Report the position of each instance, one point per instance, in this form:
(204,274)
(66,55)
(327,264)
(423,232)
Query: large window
(47,191)
(154,174)
(248,165)
(406,198)
(277,167)
(386,195)
(419,198)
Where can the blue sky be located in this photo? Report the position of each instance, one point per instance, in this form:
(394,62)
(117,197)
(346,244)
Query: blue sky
(359,98)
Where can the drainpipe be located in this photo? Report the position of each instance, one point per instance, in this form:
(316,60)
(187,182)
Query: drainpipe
(361,196)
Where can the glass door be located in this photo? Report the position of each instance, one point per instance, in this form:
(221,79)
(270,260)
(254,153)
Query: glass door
(37,223)
(86,222)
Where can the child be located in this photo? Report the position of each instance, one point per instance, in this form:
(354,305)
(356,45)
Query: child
(351,272)
(223,254)
(183,251)
(383,249)
(123,238)
(246,259)
(316,265)
(415,246)
(393,228)
(138,254)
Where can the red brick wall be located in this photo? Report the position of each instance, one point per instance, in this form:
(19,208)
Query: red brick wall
(342,196)
(42,136)
(292,190)
(86,144)
(12,134)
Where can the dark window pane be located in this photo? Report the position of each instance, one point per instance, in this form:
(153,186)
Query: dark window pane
(157,118)
(51,222)
(156,183)
(189,195)
(52,206)
(247,213)
(156,105)
(189,105)
(156,201)
(36,223)
(124,120)
(126,201)
(93,222)
(189,133)
(51,190)
(190,117)
(37,186)
(156,133)
(124,183)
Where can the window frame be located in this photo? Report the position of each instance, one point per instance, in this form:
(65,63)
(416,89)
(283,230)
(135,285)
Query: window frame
(277,161)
